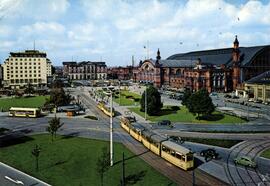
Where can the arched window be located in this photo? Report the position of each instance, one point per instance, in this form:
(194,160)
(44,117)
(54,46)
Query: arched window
(178,72)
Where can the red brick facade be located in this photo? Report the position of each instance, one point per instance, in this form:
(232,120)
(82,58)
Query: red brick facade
(235,66)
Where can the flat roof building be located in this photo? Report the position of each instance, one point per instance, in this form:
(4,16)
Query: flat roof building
(22,68)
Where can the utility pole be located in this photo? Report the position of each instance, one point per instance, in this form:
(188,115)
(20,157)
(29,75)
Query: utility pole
(123,183)
(119,93)
(247,111)
(111,131)
(193,178)
(145,103)
(147,49)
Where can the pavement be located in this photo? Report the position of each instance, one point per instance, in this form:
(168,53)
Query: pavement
(10,176)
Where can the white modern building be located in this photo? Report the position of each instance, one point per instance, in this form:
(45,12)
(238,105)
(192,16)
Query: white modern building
(22,68)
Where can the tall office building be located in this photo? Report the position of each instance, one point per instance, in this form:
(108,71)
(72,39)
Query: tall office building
(22,68)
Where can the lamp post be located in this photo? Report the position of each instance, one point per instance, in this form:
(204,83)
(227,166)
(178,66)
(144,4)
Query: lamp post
(119,93)
(145,103)
(111,132)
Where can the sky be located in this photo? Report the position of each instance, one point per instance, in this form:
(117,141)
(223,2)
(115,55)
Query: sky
(115,30)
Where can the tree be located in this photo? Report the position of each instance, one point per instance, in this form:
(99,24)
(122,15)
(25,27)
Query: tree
(186,96)
(154,103)
(103,163)
(29,89)
(200,103)
(54,126)
(58,97)
(36,152)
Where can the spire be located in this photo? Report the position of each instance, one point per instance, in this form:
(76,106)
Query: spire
(235,43)
(158,55)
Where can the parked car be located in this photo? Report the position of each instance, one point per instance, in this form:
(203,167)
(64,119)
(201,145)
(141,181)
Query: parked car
(209,154)
(213,94)
(131,118)
(165,123)
(177,139)
(245,161)
(227,96)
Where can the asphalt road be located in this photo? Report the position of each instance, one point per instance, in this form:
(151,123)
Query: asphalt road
(12,177)
(99,130)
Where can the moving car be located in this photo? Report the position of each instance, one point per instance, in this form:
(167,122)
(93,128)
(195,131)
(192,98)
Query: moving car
(209,154)
(165,123)
(245,161)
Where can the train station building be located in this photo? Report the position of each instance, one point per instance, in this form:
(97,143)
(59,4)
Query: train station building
(220,70)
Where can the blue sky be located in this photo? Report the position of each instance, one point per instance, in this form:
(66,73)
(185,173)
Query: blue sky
(114,30)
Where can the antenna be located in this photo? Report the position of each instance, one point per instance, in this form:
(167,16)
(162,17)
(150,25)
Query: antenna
(147,49)
(72,58)
(34,44)
(132,61)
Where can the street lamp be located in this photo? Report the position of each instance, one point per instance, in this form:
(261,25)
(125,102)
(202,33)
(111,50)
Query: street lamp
(119,93)
(111,125)
(145,103)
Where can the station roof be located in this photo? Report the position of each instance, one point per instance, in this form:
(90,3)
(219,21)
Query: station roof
(263,78)
(214,57)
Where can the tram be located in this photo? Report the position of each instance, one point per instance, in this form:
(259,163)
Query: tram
(163,147)
(106,110)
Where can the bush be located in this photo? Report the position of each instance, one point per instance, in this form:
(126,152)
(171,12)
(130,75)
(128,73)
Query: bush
(175,108)
(91,117)
(136,99)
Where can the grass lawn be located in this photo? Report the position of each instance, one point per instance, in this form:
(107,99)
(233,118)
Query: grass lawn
(127,101)
(36,101)
(183,115)
(215,142)
(266,154)
(72,161)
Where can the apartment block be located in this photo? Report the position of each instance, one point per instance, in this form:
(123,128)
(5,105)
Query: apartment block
(85,70)
(22,68)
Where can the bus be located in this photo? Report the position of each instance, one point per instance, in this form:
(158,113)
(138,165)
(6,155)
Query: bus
(24,112)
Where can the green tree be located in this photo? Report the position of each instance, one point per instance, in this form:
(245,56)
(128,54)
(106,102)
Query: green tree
(153,100)
(54,126)
(58,97)
(200,103)
(186,96)
(103,163)
(36,152)
(29,89)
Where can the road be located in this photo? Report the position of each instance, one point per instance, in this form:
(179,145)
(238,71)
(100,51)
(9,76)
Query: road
(99,130)
(12,177)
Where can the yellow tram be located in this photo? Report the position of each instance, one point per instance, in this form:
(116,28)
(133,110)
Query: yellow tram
(105,109)
(168,150)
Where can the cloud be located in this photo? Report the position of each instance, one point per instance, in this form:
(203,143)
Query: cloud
(34,9)
(118,29)
(47,28)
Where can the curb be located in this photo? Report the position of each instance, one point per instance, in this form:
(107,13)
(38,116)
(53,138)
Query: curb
(24,174)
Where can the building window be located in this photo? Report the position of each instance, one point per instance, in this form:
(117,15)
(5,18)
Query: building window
(267,94)
(259,93)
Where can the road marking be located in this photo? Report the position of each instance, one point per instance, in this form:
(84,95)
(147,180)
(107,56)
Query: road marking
(14,181)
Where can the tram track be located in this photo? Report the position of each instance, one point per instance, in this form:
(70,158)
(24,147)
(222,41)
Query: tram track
(249,179)
(177,175)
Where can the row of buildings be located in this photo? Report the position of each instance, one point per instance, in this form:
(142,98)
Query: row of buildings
(221,70)
(33,67)
(245,70)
